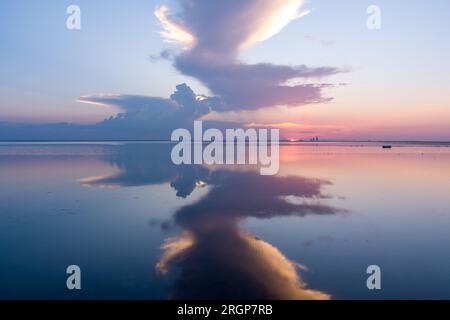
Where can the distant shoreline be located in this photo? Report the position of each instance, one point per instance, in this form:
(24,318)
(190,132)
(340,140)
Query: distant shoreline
(281,141)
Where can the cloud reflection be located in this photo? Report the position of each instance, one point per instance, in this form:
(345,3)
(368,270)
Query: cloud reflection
(215,258)
(140,166)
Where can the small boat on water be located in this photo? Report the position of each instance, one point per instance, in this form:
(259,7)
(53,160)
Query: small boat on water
(387,146)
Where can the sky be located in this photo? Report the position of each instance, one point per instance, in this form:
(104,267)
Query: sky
(312,68)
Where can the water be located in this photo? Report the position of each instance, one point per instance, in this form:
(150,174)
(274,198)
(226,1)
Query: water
(142,228)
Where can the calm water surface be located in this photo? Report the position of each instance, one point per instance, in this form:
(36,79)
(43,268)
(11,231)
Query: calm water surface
(142,228)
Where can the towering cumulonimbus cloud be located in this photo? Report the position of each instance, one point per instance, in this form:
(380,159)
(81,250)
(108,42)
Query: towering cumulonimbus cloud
(213,33)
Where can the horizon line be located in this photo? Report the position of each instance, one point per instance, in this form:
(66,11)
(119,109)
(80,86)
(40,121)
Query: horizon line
(281,140)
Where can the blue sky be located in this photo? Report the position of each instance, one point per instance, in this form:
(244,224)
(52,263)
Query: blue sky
(397,82)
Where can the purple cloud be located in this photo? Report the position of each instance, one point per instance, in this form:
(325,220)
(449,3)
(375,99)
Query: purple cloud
(151,114)
(214,33)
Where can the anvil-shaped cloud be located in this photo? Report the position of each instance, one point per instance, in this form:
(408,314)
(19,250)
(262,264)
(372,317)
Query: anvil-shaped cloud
(214,33)
(225,27)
